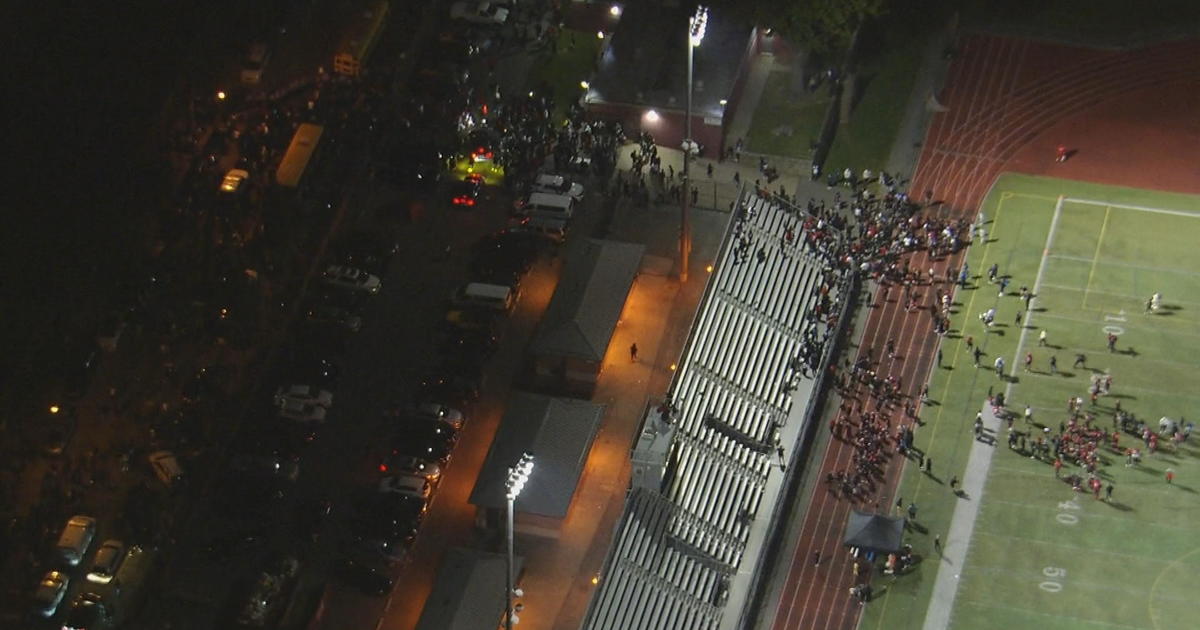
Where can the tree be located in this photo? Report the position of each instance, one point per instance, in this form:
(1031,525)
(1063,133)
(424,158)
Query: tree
(822,26)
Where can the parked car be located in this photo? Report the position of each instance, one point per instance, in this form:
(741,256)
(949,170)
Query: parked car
(255,63)
(465,193)
(470,319)
(306,394)
(479,12)
(309,368)
(89,611)
(233,179)
(50,592)
(362,577)
(449,386)
(558,185)
(369,251)
(166,467)
(387,525)
(434,411)
(332,315)
(415,486)
(479,343)
(431,442)
(269,466)
(300,411)
(351,278)
(409,465)
(107,560)
(205,381)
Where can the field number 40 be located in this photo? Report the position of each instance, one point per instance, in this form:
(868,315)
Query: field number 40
(1053,583)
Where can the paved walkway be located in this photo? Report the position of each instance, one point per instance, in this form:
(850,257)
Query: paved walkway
(962,523)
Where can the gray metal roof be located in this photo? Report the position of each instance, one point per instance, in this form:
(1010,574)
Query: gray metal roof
(559,433)
(582,314)
(685,559)
(468,593)
(646,60)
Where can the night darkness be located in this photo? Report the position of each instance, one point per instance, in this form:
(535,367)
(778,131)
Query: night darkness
(95,83)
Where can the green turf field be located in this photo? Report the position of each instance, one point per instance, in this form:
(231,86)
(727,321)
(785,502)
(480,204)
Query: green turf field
(1042,555)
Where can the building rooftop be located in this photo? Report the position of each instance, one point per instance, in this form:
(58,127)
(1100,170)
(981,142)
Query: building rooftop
(559,433)
(469,591)
(585,308)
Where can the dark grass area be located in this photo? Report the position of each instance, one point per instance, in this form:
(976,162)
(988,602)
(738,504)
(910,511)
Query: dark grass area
(882,90)
(562,72)
(786,123)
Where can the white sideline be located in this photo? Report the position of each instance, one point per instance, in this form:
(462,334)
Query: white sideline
(966,510)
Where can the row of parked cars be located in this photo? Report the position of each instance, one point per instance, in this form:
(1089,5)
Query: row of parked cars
(387,516)
(113,567)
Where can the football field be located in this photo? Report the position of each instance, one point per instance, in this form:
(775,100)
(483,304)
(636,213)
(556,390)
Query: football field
(1043,555)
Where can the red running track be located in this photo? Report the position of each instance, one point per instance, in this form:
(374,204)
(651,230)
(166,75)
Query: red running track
(1006,98)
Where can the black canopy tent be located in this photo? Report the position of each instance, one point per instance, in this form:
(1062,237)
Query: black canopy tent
(874,532)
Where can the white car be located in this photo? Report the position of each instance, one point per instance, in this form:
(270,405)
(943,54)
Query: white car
(351,278)
(414,486)
(413,466)
(558,185)
(301,411)
(438,411)
(233,180)
(479,12)
(50,593)
(305,394)
(108,558)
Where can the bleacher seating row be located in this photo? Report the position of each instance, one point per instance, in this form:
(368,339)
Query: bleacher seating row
(674,554)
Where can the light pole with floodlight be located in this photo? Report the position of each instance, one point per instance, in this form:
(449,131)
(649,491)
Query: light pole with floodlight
(517,476)
(696,26)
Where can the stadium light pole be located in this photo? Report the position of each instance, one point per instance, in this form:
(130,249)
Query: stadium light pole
(517,476)
(696,27)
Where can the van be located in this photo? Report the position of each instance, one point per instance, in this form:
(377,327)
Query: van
(557,185)
(554,229)
(549,205)
(496,297)
(75,540)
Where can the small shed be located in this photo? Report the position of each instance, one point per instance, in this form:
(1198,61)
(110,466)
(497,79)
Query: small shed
(559,433)
(568,348)
(469,591)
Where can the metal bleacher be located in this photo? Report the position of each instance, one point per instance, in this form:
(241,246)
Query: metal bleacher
(682,558)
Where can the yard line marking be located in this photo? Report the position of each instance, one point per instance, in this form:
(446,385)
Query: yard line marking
(1096,255)
(1092,515)
(1178,213)
(1063,545)
(1061,287)
(1183,272)
(1037,285)
(1134,388)
(1129,325)
(1007,606)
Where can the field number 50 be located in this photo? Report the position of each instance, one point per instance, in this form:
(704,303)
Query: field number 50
(1053,583)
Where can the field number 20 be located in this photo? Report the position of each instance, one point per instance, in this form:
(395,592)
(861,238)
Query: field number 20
(1053,583)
